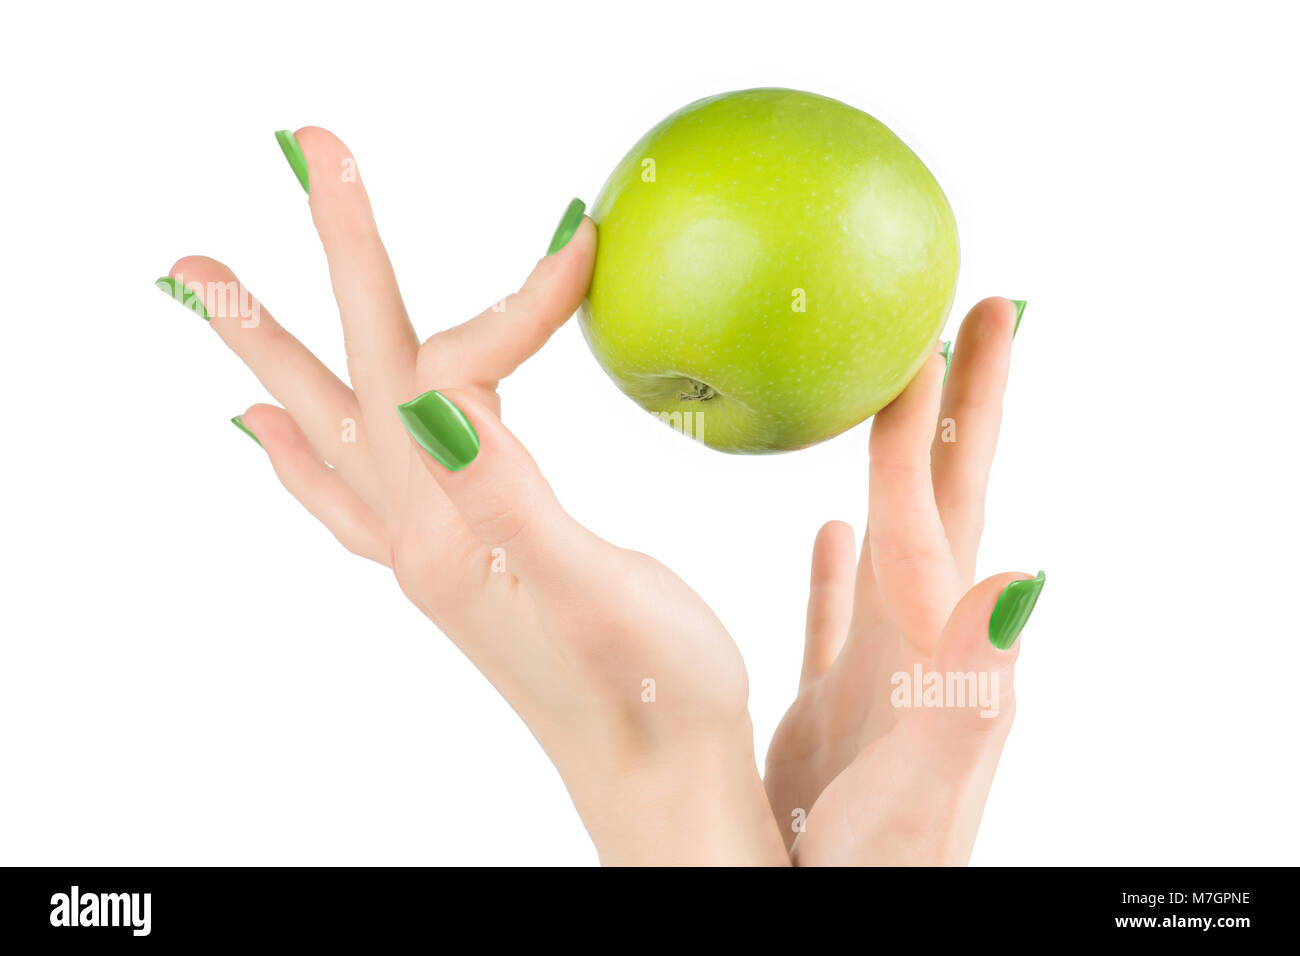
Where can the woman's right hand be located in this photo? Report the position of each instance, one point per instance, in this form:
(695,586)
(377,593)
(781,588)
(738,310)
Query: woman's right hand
(625,676)
(874,763)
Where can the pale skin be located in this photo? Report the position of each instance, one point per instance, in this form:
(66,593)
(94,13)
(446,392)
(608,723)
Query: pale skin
(878,783)
(570,628)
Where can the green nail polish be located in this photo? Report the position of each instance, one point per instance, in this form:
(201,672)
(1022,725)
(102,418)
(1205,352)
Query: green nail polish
(293,153)
(239,423)
(567,227)
(1015,604)
(1020,314)
(185,296)
(947,358)
(441,429)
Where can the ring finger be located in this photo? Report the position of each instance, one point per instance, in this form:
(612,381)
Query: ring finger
(325,408)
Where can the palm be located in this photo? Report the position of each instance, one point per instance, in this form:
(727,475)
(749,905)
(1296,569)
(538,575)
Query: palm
(837,716)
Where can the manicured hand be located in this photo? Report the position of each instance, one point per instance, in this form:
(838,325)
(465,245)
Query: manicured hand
(872,765)
(621,671)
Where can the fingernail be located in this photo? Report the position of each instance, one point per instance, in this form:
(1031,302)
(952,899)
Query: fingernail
(441,429)
(184,295)
(239,423)
(293,153)
(1020,314)
(1015,604)
(947,358)
(567,227)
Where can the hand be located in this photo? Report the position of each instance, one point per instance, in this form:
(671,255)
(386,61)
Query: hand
(625,676)
(871,781)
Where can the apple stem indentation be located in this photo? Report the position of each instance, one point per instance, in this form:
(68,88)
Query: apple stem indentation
(696,392)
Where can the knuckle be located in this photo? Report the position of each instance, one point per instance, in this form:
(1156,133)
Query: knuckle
(499,520)
(409,559)
(898,550)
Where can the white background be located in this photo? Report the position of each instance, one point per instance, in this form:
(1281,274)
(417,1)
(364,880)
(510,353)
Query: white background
(192,671)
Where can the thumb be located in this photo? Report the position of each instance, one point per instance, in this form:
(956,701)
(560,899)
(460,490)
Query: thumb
(976,654)
(959,745)
(493,482)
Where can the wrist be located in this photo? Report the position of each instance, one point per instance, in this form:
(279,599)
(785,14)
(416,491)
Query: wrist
(698,804)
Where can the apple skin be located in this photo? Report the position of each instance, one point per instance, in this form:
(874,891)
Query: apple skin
(716,225)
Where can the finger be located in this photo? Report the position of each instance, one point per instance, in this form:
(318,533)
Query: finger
(494,484)
(313,395)
(496,342)
(910,557)
(969,419)
(381,345)
(869,622)
(317,487)
(830,599)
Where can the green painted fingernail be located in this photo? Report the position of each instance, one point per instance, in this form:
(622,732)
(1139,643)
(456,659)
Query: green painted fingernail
(239,423)
(184,295)
(1015,604)
(567,227)
(441,429)
(947,358)
(1020,314)
(293,153)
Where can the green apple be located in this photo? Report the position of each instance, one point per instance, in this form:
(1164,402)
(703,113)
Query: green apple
(773,268)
